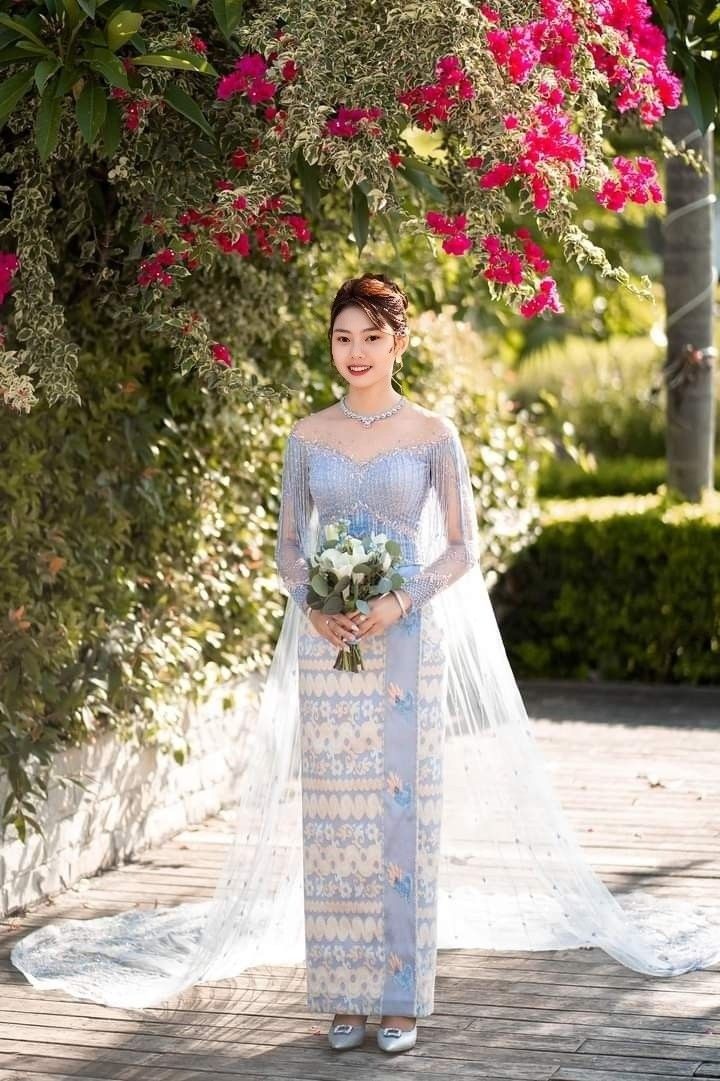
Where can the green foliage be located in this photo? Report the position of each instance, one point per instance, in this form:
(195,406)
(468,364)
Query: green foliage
(135,561)
(692,28)
(70,58)
(617,590)
(566,479)
(603,391)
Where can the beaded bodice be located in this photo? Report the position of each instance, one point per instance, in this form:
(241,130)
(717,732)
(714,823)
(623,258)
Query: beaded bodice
(384,494)
(416,494)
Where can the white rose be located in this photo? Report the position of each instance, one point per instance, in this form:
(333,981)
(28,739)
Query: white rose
(331,532)
(358,549)
(340,562)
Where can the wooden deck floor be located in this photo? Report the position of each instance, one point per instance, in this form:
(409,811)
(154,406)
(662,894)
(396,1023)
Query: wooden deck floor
(646,805)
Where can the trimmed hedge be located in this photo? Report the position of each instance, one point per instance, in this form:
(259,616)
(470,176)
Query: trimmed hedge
(617,589)
(614,476)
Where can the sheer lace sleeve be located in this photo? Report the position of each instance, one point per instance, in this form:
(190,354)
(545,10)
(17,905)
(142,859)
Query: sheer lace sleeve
(456,519)
(294,514)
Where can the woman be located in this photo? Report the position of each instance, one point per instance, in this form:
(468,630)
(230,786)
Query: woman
(370,459)
(349,852)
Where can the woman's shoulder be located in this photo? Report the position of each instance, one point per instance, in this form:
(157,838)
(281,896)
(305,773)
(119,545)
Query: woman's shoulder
(438,420)
(313,424)
(435,425)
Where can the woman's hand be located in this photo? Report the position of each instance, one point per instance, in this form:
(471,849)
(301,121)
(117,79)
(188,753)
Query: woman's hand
(384,611)
(335,628)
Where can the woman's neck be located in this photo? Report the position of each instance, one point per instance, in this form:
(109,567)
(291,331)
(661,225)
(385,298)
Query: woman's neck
(371,399)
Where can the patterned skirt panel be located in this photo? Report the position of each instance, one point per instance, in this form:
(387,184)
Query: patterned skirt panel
(372,760)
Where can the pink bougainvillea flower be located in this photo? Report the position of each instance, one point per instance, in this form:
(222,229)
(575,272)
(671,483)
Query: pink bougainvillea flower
(348,122)
(444,225)
(540,193)
(549,148)
(498,176)
(239,159)
(545,299)
(300,227)
(457,245)
(534,254)
(636,181)
(290,71)
(239,245)
(221,354)
(248,78)
(635,65)
(132,109)
(504,265)
(395,159)
(432,103)
(198,45)
(153,271)
(9,266)
(456,242)
(639,68)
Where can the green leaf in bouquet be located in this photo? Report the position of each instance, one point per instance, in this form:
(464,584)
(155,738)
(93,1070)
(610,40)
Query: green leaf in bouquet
(342,583)
(333,605)
(384,585)
(362,568)
(320,586)
(362,606)
(393,547)
(398,580)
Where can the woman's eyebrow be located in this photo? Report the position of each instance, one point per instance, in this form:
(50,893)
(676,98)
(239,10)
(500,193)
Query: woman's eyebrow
(342,330)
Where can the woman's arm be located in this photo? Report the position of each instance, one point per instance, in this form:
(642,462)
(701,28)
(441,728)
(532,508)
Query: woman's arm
(450,478)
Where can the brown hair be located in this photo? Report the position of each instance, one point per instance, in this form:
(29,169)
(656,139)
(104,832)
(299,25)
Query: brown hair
(382,300)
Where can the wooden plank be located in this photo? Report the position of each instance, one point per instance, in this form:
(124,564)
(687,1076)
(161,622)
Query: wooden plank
(553,1015)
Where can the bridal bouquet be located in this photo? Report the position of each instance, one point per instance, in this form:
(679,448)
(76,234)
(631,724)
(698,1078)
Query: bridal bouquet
(345,572)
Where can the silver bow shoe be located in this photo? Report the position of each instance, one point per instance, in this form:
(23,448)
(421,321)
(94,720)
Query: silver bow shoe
(391,1038)
(344,1036)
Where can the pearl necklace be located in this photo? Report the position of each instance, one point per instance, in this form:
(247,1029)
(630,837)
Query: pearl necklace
(368,418)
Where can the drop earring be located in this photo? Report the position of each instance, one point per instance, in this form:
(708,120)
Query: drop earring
(397,369)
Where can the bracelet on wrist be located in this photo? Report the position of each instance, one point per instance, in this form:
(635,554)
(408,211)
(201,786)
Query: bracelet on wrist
(398,598)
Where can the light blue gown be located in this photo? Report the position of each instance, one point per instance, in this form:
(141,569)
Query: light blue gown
(371,741)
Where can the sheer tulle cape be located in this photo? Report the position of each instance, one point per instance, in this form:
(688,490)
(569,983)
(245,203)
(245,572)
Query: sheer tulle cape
(512,873)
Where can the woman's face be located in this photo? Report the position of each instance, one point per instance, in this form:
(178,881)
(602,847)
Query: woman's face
(363,354)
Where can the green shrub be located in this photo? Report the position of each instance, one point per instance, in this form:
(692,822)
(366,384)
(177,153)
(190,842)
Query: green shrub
(137,529)
(617,589)
(615,476)
(605,390)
